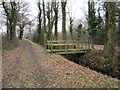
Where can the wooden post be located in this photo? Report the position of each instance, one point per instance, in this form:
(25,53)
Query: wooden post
(65,48)
(51,46)
(45,41)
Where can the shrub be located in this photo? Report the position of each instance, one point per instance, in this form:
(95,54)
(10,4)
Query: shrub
(35,37)
(8,45)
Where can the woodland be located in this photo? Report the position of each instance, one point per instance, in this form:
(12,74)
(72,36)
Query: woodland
(100,28)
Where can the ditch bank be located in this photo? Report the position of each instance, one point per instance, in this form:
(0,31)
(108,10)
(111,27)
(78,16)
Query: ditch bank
(95,62)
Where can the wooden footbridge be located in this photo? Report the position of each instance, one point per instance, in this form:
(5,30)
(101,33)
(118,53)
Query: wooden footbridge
(67,46)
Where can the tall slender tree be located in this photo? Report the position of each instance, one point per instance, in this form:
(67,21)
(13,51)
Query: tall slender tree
(71,18)
(93,22)
(63,5)
(51,19)
(44,24)
(56,6)
(39,29)
(71,27)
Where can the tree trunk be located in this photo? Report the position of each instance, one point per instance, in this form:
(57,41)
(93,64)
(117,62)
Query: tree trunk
(91,22)
(21,31)
(110,42)
(44,25)
(21,34)
(71,28)
(63,4)
(13,20)
(49,21)
(56,27)
(56,21)
(39,23)
(8,29)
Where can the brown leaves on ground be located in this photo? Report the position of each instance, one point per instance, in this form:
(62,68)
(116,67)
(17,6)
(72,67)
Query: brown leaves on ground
(10,61)
(67,74)
(48,70)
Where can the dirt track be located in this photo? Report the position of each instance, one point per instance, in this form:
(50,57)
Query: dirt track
(29,66)
(26,71)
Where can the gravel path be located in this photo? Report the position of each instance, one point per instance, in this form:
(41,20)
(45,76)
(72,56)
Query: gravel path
(28,66)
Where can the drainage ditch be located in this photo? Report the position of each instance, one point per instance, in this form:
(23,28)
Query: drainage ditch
(82,60)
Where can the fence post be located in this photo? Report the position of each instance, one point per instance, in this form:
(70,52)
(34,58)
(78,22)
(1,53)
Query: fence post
(51,47)
(65,47)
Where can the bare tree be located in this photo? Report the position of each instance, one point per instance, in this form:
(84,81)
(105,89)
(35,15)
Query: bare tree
(51,19)
(39,29)
(11,13)
(71,21)
(63,5)
(22,20)
(56,6)
(22,23)
(44,24)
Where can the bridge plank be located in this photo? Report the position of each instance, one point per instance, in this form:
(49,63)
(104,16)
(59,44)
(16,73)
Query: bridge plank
(70,52)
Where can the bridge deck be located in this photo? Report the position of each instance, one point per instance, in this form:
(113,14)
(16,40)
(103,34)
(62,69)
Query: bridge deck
(67,47)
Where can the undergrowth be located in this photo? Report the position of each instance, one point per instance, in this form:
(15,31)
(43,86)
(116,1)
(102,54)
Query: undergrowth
(8,45)
(96,61)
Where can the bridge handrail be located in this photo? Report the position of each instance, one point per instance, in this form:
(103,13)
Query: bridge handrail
(66,43)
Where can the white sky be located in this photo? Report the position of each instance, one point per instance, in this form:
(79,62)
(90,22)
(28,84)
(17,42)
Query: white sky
(78,8)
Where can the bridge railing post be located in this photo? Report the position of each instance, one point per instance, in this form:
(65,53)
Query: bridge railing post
(65,48)
(51,47)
